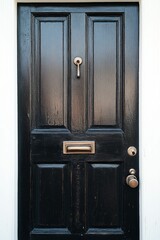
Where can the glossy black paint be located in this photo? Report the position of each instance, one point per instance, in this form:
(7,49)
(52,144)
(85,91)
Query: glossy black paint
(77,196)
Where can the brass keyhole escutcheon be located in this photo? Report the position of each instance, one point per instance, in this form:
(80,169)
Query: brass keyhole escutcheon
(132,151)
(78,61)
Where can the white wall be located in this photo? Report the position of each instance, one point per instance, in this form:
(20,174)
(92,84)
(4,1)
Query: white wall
(149,119)
(8,121)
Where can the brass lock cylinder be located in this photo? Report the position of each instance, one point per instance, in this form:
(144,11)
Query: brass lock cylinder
(132,151)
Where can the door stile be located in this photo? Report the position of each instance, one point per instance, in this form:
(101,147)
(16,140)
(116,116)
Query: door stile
(78,99)
(78,197)
(130,124)
(78,119)
(24,121)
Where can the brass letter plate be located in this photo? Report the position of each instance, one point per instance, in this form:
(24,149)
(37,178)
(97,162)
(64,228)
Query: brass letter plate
(79,147)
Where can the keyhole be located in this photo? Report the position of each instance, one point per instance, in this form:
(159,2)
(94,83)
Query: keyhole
(133,153)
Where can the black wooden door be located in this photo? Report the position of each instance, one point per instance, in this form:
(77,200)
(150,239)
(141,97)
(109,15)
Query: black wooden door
(78,195)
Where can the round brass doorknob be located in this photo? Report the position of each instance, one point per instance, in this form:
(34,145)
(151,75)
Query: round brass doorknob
(132,181)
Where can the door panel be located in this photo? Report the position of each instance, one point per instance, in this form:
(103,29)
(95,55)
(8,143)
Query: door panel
(105,52)
(77,196)
(104,73)
(50,209)
(50,82)
(104,209)
(52,92)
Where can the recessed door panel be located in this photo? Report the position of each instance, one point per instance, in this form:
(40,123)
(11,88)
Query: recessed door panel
(49,89)
(104,73)
(105,66)
(76,121)
(51,206)
(104,196)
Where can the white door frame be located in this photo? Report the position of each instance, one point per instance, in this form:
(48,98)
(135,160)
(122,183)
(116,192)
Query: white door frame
(149,98)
